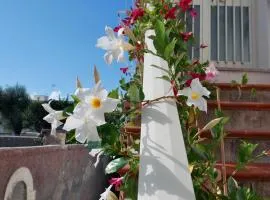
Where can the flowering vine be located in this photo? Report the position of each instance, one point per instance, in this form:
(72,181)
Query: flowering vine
(105,118)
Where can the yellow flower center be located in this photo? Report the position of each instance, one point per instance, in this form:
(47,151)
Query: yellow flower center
(95,102)
(195,95)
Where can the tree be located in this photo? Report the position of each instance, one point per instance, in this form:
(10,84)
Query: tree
(34,114)
(33,117)
(14,100)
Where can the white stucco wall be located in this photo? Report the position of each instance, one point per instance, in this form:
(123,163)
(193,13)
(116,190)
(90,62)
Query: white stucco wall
(261,33)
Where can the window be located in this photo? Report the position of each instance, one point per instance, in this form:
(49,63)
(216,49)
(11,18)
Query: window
(225,25)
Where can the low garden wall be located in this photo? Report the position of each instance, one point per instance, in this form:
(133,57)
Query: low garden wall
(19,141)
(50,173)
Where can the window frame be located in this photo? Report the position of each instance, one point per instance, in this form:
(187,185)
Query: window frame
(205,31)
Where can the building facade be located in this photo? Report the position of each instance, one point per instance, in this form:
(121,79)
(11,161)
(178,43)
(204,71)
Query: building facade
(237,33)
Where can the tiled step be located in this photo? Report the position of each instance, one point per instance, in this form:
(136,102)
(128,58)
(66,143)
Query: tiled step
(240,119)
(245,95)
(233,139)
(229,105)
(258,171)
(249,92)
(232,147)
(229,86)
(255,176)
(243,134)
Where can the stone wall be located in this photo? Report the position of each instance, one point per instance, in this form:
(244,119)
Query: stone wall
(19,141)
(55,173)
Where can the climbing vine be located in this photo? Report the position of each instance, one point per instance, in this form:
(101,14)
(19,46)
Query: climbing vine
(108,120)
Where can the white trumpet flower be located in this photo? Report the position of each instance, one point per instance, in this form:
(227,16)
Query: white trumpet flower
(115,46)
(53,117)
(85,127)
(105,195)
(195,94)
(89,113)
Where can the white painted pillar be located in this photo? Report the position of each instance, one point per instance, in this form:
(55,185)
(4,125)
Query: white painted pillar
(164,172)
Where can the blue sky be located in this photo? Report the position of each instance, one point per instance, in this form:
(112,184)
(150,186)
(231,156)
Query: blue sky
(50,42)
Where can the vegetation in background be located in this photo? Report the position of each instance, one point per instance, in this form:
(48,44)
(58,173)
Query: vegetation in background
(13,103)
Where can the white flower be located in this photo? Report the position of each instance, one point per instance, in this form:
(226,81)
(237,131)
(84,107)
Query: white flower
(115,46)
(97,102)
(195,94)
(105,195)
(85,128)
(89,112)
(53,117)
(211,72)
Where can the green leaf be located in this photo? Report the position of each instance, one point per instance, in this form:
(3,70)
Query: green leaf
(160,30)
(166,78)
(109,134)
(159,40)
(232,185)
(244,80)
(141,93)
(75,98)
(200,151)
(161,68)
(114,94)
(169,50)
(253,93)
(115,165)
(134,93)
(245,153)
(124,86)
(179,59)
(68,110)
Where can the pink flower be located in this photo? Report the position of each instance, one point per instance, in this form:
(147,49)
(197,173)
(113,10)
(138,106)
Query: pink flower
(186,36)
(211,72)
(185,5)
(117,182)
(136,14)
(171,13)
(124,70)
(203,45)
(194,75)
(193,12)
(117,28)
(125,22)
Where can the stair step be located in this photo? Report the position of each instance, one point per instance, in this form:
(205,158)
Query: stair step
(246,93)
(244,96)
(232,148)
(243,134)
(240,119)
(229,86)
(239,134)
(228,105)
(258,171)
